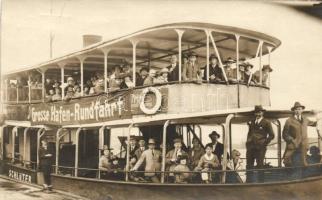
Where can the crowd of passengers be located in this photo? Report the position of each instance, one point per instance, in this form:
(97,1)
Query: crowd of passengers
(146,159)
(206,163)
(121,77)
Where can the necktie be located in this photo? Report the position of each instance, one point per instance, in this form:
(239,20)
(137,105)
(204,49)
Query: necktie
(152,153)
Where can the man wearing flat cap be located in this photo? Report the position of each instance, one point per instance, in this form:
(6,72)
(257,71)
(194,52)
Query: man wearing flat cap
(218,148)
(295,135)
(260,134)
(215,72)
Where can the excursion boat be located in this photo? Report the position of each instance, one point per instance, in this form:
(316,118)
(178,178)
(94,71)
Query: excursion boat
(78,129)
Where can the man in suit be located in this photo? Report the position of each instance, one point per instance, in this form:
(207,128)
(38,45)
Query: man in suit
(260,134)
(191,70)
(215,72)
(173,156)
(295,136)
(173,69)
(218,148)
(152,159)
(133,148)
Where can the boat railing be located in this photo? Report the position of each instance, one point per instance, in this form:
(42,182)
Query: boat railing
(217,176)
(34,94)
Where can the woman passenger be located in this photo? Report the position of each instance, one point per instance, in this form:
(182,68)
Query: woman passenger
(208,163)
(236,163)
(163,78)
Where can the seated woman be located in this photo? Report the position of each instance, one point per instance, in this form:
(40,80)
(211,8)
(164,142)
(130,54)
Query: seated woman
(163,77)
(181,171)
(314,158)
(208,162)
(108,164)
(235,163)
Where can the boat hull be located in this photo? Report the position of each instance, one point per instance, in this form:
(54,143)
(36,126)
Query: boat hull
(101,190)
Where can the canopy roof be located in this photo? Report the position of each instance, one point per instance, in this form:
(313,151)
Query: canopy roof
(155,46)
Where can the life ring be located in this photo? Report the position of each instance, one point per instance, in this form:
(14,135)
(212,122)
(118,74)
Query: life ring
(157,105)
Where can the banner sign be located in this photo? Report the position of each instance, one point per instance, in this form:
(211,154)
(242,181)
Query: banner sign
(20,174)
(81,111)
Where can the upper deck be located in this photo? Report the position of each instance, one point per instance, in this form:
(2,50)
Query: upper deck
(151,48)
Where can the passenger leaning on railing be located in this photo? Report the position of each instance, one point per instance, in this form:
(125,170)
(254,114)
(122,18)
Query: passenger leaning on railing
(173,69)
(163,76)
(235,164)
(150,79)
(208,162)
(231,72)
(172,157)
(182,171)
(191,70)
(215,72)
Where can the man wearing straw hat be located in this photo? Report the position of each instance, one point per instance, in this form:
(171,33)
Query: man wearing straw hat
(295,135)
(152,158)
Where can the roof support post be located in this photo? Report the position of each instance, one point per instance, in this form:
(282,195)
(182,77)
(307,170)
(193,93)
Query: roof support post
(134,43)
(29,88)
(40,133)
(43,85)
(237,56)
(58,138)
(127,169)
(217,53)
(180,34)
(62,74)
(81,60)
(13,136)
(77,151)
(227,133)
(269,63)
(105,52)
(208,54)
(260,63)
(1,141)
(17,91)
(164,149)
(24,145)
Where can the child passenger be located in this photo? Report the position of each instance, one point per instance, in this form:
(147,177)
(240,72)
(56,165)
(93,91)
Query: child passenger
(181,171)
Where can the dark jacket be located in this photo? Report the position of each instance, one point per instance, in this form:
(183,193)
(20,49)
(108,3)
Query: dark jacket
(217,71)
(174,74)
(259,135)
(45,161)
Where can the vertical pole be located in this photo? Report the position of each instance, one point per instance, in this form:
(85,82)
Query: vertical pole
(134,44)
(29,88)
(43,85)
(260,63)
(1,142)
(40,133)
(279,143)
(100,146)
(164,149)
(62,73)
(57,149)
(128,153)
(237,56)
(227,134)
(208,52)
(17,91)
(81,59)
(269,63)
(105,69)
(77,151)
(24,145)
(180,33)
(13,136)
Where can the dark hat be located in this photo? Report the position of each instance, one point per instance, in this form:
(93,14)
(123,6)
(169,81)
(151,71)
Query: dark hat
(248,64)
(184,55)
(242,59)
(177,140)
(193,54)
(314,150)
(183,156)
(209,145)
(151,141)
(212,56)
(259,108)
(267,67)
(105,147)
(133,137)
(214,133)
(144,68)
(296,105)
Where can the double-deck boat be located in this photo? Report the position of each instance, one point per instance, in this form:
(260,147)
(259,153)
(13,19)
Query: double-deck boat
(78,128)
